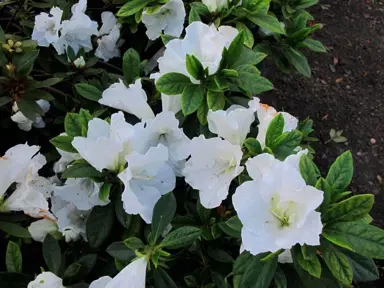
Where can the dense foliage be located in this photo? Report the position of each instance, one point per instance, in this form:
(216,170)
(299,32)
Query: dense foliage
(159,166)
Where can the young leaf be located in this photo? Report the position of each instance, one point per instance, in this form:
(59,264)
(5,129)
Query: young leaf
(181,238)
(194,67)
(64,143)
(314,45)
(308,170)
(298,60)
(234,50)
(88,91)
(268,22)
(99,225)
(341,172)
(81,170)
(275,129)
(172,83)
(132,7)
(253,146)
(285,144)
(105,190)
(13,258)
(248,36)
(72,125)
(252,83)
(131,65)
(14,230)
(192,98)
(215,100)
(312,266)
(163,213)
(52,254)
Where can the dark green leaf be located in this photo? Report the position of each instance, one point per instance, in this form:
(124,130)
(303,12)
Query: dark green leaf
(64,143)
(323,185)
(298,60)
(45,83)
(163,213)
(81,170)
(248,36)
(194,67)
(341,172)
(192,98)
(253,146)
(52,254)
(249,57)
(88,91)
(132,7)
(13,258)
(202,113)
(120,251)
(204,213)
(280,279)
(14,230)
(14,280)
(72,125)
(162,279)
(30,109)
(172,83)
(24,63)
(193,15)
(308,170)
(312,266)
(268,22)
(133,243)
(181,238)
(275,129)
(131,65)
(252,83)
(123,217)
(364,268)
(215,100)
(99,225)
(5,100)
(81,267)
(234,50)
(285,144)
(220,255)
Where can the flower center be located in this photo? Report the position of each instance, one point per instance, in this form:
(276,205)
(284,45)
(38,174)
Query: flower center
(284,212)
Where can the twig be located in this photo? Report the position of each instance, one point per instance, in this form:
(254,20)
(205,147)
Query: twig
(54,90)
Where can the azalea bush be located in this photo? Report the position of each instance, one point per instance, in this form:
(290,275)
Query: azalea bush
(154,162)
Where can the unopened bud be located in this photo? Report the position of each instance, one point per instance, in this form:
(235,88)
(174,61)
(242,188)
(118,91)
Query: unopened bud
(17,44)
(10,42)
(19,50)
(6,47)
(10,67)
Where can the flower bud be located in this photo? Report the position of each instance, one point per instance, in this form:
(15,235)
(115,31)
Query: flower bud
(17,44)
(10,42)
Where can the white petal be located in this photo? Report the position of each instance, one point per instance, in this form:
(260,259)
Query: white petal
(285,257)
(259,165)
(46,280)
(133,275)
(101,282)
(109,21)
(39,229)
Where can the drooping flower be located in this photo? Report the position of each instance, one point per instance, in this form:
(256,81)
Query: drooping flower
(25,123)
(40,228)
(277,208)
(47,26)
(214,163)
(132,99)
(77,31)
(46,280)
(133,275)
(233,124)
(198,37)
(109,35)
(146,178)
(82,192)
(168,19)
(106,145)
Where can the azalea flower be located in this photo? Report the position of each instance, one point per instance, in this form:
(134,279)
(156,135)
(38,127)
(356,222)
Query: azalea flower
(164,129)
(214,163)
(110,34)
(218,5)
(146,178)
(65,159)
(233,124)
(40,228)
(133,275)
(277,208)
(198,37)
(47,26)
(25,123)
(106,145)
(77,31)
(168,18)
(46,280)
(132,100)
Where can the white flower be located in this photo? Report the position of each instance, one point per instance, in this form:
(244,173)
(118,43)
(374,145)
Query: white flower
(164,129)
(40,228)
(169,18)
(133,275)
(47,26)
(71,221)
(25,123)
(82,192)
(285,257)
(132,100)
(79,62)
(46,280)
(145,180)
(205,42)
(233,124)
(265,114)
(218,5)
(277,208)
(65,159)
(106,145)
(110,34)
(214,163)
(77,31)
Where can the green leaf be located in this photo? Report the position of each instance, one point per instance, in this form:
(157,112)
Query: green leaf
(120,251)
(250,272)
(181,238)
(172,83)
(204,213)
(2,35)
(298,60)
(312,266)
(249,57)
(81,170)
(220,255)
(162,279)
(64,143)
(248,36)
(280,279)
(105,190)
(359,237)
(275,129)
(193,15)
(99,225)
(163,213)
(81,268)
(252,83)
(304,4)
(253,146)
(309,252)
(134,243)
(52,254)
(337,263)
(308,170)
(84,118)
(194,67)
(341,172)
(72,125)
(192,98)
(268,22)
(132,7)
(215,100)
(38,94)
(88,91)
(314,45)
(285,144)
(45,83)
(131,65)
(364,268)
(13,258)
(234,50)
(351,209)
(5,100)
(202,113)
(25,62)
(323,185)
(123,217)
(14,230)
(30,109)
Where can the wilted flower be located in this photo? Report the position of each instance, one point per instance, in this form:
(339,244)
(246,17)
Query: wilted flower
(25,123)
(109,35)
(214,163)
(277,208)
(46,280)
(168,18)
(40,228)
(47,26)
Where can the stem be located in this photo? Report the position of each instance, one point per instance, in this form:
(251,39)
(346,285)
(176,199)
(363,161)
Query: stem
(54,90)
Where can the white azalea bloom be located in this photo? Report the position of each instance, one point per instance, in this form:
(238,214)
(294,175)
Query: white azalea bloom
(198,37)
(169,19)
(110,34)
(233,124)
(47,26)
(25,123)
(106,145)
(46,280)
(132,99)
(146,178)
(133,275)
(164,129)
(77,31)
(40,228)
(214,163)
(65,159)
(218,5)
(277,208)
(79,62)
(70,220)
(265,114)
